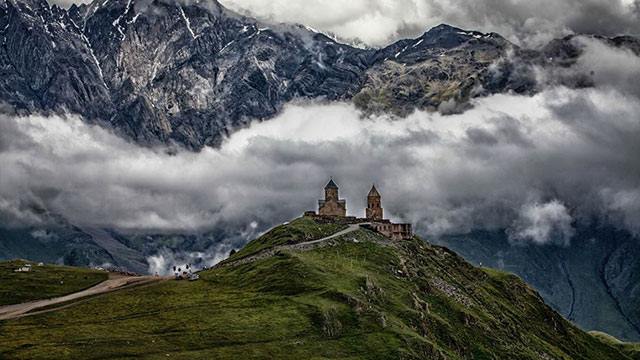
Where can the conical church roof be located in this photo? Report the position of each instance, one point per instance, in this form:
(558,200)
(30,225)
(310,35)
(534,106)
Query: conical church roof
(374,191)
(331,185)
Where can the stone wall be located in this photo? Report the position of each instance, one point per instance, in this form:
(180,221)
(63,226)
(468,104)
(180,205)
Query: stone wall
(332,207)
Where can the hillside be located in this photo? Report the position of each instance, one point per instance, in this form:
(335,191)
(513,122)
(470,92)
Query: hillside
(43,282)
(630,349)
(592,282)
(357,295)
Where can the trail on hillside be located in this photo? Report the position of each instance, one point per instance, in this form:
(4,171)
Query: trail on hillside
(119,282)
(114,283)
(300,246)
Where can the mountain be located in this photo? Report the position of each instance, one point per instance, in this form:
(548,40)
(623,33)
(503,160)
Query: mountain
(442,70)
(297,293)
(191,73)
(165,71)
(64,243)
(594,281)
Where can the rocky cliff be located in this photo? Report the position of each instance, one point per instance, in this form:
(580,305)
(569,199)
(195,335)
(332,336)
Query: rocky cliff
(191,73)
(593,282)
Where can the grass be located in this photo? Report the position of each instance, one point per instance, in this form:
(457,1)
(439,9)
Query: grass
(299,230)
(359,299)
(43,282)
(630,349)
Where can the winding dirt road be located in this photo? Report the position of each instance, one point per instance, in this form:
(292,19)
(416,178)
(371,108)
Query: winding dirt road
(114,283)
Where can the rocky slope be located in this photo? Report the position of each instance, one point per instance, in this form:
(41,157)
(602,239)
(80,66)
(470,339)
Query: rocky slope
(67,244)
(354,296)
(162,71)
(442,70)
(191,73)
(593,282)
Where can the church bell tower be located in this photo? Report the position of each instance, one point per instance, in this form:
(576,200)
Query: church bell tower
(374,205)
(332,205)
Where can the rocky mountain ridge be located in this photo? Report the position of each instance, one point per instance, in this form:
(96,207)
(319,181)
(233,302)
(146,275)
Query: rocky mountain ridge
(593,282)
(161,71)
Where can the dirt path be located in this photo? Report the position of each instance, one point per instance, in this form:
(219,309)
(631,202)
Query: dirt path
(119,282)
(300,246)
(350,229)
(114,283)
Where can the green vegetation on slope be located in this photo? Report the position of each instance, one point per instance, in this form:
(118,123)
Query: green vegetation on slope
(43,282)
(297,231)
(630,349)
(356,297)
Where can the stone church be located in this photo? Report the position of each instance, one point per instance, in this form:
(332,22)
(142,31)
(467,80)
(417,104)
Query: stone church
(374,205)
(333,206)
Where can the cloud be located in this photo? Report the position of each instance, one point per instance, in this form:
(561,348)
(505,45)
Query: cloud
(447,174)
(543,224)
(164,260)
(532,164)
(379,22)
(599,64)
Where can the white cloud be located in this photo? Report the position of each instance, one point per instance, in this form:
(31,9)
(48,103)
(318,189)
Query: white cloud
(542,224)
(447,174)
(164,260)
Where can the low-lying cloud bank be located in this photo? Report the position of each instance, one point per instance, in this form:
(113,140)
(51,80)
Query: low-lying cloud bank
(164,260)
(534,165)
(379,22)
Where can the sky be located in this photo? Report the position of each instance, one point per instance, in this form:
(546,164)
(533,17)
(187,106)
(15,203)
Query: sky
(380,22)
(377,23)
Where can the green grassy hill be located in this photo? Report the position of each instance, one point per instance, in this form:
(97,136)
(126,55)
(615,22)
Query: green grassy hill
(358,296)
(43,282)
(298,230)
(630,349)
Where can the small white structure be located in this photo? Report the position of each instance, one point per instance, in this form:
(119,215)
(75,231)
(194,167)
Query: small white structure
(186,274)
(25,268)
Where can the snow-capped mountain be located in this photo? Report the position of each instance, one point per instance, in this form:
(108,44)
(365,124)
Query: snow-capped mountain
(163,71)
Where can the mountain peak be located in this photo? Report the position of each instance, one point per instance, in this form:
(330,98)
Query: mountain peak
(443,28)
